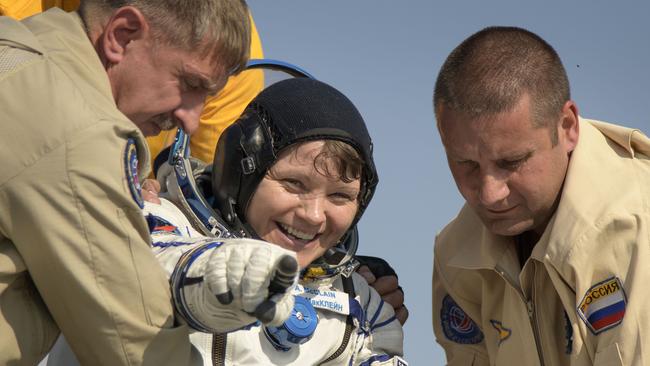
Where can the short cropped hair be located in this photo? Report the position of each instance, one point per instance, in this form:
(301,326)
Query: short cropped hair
(191,25)
(490,71)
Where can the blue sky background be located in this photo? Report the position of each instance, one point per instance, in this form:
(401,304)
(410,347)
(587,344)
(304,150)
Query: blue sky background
(385,55)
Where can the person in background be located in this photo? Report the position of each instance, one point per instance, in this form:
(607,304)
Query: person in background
(78,90)
(546,264)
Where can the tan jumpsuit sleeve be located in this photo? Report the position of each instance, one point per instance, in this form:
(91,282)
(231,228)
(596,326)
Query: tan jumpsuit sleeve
(619,250)
(464,347)
(85,243)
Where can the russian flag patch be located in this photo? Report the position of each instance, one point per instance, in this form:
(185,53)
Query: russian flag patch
(603,306)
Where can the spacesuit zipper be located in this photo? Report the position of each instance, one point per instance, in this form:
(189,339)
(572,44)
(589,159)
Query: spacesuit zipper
(531,312)
(349,326)
(348,287)
(219,349)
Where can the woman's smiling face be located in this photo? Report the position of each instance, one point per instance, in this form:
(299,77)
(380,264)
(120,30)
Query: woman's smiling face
(301,205)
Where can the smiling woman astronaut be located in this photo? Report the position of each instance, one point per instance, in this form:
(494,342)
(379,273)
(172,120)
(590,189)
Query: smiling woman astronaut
(295,171)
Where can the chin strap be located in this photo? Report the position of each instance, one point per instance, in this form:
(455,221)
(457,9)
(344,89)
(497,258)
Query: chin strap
(337,260)
(315,272)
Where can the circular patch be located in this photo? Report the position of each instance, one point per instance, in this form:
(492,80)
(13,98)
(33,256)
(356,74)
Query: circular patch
(457,325)
(131,171)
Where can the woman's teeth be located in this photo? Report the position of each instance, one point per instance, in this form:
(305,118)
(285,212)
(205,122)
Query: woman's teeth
(297,233)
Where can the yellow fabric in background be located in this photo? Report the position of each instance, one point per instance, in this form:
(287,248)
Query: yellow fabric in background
(67,5)
(20,9)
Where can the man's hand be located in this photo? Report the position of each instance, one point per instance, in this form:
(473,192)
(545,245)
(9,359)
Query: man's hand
(382,277)
(237,276)
(150,191)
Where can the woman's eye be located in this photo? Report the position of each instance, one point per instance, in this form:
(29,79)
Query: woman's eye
(293,183)
(342,197)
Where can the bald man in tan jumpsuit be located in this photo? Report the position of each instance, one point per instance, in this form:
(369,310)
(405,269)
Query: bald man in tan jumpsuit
(547,263)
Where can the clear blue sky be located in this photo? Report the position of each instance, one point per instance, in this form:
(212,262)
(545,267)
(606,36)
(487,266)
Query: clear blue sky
(385,55)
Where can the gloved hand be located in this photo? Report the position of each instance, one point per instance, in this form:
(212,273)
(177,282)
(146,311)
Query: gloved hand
(235,292)
(382,277)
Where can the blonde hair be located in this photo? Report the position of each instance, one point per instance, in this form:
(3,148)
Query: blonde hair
(212,27)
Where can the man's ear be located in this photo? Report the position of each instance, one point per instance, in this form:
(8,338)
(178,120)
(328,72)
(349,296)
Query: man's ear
(127,24)
(569,127)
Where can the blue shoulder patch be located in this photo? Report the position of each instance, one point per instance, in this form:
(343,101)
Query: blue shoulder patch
(131,171)
(457,325)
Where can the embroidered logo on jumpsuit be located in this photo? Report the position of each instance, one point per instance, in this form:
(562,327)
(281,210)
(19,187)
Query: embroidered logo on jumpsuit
(457,325)
(131,171)
(502,332)
(603,306)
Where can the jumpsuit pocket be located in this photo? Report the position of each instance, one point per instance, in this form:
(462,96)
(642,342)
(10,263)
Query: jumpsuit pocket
(609,356)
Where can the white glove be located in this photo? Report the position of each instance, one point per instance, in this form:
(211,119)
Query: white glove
(235,289)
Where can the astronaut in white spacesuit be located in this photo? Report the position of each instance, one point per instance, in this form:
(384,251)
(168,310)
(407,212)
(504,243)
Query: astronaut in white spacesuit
(296,171)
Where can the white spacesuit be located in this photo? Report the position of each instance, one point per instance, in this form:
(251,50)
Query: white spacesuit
(337,318)
(358,331)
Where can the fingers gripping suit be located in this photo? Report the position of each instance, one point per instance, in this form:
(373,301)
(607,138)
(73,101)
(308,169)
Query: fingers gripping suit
(366,337)
(74,250)
(582,299)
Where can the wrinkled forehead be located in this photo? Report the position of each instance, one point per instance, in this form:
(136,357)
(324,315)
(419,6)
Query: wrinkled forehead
(203,70)
(497,136)
(519,115)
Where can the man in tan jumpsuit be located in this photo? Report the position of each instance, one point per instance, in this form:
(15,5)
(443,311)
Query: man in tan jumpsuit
(75,93)
(547,263)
